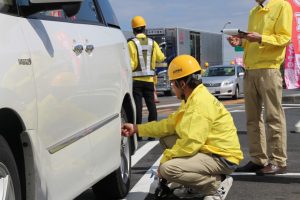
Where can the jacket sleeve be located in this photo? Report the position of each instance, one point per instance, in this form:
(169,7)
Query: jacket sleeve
(193,132)
(133,55)
(283,28)
(160,57)
(160,128)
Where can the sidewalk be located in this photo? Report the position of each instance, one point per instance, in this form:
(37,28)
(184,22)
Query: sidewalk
(291,96)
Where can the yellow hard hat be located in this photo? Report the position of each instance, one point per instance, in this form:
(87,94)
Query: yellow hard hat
(138,21)
(182,66)
(206,64)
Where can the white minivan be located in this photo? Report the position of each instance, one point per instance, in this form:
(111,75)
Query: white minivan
(65,90)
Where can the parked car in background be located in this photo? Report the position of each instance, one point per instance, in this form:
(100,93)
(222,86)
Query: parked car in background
(224,80)
(66,89)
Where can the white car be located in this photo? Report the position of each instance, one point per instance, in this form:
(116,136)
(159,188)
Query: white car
(225,80)
(65,90)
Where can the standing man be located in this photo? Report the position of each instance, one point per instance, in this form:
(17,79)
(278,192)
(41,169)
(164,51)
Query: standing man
(269,32)
(144,53)
(200,138)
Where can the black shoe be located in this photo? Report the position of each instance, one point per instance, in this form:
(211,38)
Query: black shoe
(151,139)
(249,167)
(162,191)
(271,169)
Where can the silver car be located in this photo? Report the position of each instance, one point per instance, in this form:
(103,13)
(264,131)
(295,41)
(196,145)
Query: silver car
(225,80)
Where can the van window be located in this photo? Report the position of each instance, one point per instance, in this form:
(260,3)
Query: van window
(108,13)
(88,13)
(8,7)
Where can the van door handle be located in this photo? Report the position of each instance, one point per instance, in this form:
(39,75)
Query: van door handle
(78,49)
(89,48)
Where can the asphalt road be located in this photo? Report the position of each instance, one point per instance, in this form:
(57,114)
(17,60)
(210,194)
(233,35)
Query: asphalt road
(245,186)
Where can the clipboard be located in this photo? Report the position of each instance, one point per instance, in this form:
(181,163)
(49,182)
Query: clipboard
(234,31)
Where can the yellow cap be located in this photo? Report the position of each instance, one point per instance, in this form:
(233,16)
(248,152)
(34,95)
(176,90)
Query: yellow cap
(138,21)
(182,66)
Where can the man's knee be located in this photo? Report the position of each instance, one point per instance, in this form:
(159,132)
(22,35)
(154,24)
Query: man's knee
(170,171)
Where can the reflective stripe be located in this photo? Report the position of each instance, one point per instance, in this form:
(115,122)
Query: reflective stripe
(145,68)
(144,73)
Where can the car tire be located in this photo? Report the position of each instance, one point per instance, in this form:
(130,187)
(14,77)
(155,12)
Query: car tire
(236,93)
(116,185)
(9,176)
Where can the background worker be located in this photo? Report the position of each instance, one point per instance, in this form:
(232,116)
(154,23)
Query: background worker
(206,65)
(269,32)
(144,53)
(200,138)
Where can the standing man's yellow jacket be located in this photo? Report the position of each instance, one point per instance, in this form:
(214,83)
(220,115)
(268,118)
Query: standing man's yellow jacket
(202,124)
(157,57)
(276,30)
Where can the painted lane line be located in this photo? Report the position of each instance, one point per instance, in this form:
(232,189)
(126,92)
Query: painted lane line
(254,174)
(165,106)
(141,189)
(141,152)
(291,104)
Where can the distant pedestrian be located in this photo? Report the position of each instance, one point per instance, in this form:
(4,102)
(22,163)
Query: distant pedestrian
(200,139)
(269,32)
(144,53)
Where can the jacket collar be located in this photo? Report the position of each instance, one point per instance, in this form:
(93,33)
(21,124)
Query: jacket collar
(195,91)
(141,35)
(266,5)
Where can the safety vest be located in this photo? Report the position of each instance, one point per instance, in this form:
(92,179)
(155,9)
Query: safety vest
(144,52)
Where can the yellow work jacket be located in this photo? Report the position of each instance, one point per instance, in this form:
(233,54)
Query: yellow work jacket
(157,57)
(274,23)
(202,124)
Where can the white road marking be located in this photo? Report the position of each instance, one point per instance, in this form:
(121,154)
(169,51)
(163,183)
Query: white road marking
(291,104)
(141,152)
(142,187)
(254,174)
(165,106)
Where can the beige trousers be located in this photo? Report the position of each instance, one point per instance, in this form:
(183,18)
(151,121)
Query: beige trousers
(263,87)
(201,171)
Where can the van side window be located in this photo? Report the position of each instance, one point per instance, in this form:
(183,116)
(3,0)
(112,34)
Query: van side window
(108,13)
(87,13)
(8,7)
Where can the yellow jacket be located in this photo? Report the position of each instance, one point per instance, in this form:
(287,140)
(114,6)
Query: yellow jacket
(202,124)
(274,23)
(157,56)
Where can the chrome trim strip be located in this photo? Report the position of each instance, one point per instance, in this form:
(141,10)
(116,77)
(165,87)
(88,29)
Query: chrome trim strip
(77,136)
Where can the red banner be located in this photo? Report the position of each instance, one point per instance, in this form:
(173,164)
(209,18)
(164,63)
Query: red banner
(292,60)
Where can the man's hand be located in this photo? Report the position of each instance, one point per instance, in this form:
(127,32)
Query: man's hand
(234,41)
(128,129)
(253,37)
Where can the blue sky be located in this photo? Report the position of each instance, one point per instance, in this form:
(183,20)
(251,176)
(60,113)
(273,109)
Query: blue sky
(196,14)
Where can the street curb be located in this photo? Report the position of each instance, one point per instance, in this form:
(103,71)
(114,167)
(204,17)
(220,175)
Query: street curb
(291,99)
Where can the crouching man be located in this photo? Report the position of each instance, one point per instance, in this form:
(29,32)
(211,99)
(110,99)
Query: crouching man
(200,139)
